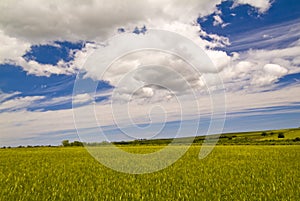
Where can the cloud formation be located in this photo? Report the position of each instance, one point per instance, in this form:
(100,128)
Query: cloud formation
(41,21)
(31,22)
(245,73)
(261,5)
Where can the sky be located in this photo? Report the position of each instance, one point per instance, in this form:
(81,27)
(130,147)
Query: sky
(53,85)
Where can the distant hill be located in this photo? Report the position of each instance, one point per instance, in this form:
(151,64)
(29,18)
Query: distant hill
(282,136)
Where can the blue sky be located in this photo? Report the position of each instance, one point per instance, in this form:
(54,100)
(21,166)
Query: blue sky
(254,45)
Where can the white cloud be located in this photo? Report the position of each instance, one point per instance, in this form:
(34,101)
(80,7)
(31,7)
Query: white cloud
(11,48)
(36,124)
(258,69)
(217,41)
(270,37)
(275,69)
(24,23)
(269,74)
(41,20)
(82,98)
(149,73)
(19,103)
(6,96)
(8,101)
(217,20)
(219,58)
(296,61)
(271,55)
(254,70)
(148,91)
(266,36)
(261,5)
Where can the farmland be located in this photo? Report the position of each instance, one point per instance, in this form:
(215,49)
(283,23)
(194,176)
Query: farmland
(268,137)
(230,172)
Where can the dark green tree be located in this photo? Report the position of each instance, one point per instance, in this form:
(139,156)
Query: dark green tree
(65,143)
(280,135)
(297,139)
(263,134)
(77,144)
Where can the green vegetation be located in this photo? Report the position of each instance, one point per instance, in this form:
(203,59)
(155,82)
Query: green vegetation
(270,137)
(280,135)
(66,143)
(228,173)
(232,171)
(264,134)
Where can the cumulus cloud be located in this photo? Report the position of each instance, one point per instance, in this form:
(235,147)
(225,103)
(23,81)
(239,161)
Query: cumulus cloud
(256,70)
(25,23)
(34,22)
(269,74)
(220,58)
(261,5)
(11,48)
(37,20)
(41,20)
(267,77)
(151,74)
(275,69)
(250,76)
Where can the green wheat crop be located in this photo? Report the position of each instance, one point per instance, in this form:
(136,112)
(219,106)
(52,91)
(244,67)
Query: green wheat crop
(228,173)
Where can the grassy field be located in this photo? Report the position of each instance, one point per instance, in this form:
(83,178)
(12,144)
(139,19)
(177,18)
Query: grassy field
(236,172)
(289,134)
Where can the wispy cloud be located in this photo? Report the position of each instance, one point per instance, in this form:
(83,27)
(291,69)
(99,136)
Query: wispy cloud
(19,103)
(276,36)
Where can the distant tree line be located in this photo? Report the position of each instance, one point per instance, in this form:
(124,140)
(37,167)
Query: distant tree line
(28,146)
(280,134)
(66,143)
